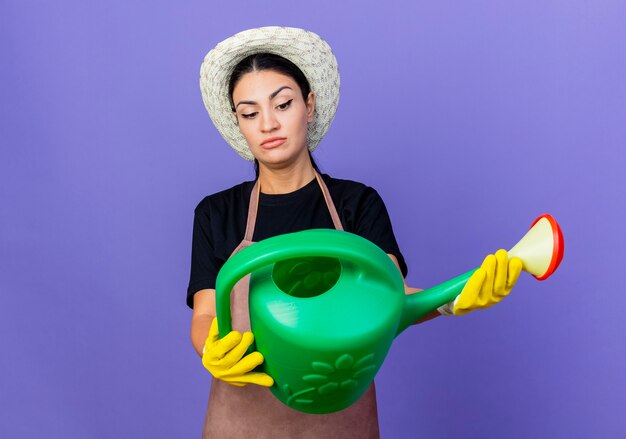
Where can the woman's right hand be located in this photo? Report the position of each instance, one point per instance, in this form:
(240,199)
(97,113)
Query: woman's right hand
(223,358)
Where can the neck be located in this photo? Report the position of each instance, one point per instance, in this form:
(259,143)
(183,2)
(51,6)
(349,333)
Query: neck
(285,180)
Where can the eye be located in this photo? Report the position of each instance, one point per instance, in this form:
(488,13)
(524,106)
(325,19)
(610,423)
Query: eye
(285,105)
(249,115)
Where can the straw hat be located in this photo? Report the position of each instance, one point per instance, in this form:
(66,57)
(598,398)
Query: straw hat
(303,48)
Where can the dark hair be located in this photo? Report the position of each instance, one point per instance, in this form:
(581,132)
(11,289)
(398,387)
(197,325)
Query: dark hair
(269,61)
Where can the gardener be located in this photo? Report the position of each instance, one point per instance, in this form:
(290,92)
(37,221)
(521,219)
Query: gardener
(272,93)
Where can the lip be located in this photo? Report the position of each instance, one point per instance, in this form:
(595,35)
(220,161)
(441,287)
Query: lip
(273,142)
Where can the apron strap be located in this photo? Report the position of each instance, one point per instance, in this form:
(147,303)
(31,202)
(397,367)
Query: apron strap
(252,210)
(329,202)
(254,204)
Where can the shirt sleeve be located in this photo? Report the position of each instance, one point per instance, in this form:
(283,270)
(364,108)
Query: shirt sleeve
(373,223)
(204,263)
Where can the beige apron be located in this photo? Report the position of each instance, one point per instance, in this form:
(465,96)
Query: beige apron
(252,411)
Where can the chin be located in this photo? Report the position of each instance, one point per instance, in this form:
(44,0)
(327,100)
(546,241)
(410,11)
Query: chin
(277,157)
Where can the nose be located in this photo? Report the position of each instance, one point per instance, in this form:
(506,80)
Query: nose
(269,122)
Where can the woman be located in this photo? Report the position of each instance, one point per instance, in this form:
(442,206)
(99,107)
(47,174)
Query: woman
(272,93)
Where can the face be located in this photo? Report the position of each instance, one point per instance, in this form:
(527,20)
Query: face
(273,117)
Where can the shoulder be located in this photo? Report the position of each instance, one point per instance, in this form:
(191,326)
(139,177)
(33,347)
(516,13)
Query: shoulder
(227,198)
(350,191)
(347,187)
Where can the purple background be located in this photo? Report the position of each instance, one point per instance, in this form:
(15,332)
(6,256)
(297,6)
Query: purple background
(470,119)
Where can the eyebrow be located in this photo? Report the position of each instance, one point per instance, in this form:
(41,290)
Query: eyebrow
(272,96)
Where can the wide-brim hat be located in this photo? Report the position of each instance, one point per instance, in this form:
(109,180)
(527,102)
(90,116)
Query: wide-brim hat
(304,48)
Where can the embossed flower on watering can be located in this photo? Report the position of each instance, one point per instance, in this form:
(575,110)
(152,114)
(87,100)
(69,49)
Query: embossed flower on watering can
(342,375)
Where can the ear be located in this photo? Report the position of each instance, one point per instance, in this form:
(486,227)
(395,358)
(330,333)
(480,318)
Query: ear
(310,107)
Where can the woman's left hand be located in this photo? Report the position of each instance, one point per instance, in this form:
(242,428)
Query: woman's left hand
(489,284)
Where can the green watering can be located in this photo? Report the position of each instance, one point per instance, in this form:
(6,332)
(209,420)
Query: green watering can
(325,306)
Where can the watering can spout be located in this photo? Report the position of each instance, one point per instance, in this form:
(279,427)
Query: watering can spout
(420,304)
(541,252)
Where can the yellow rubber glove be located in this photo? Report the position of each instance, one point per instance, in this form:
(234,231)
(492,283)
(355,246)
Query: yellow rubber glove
(489,284)
(223,358)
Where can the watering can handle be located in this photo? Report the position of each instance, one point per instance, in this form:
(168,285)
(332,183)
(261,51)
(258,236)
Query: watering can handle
(314,242)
